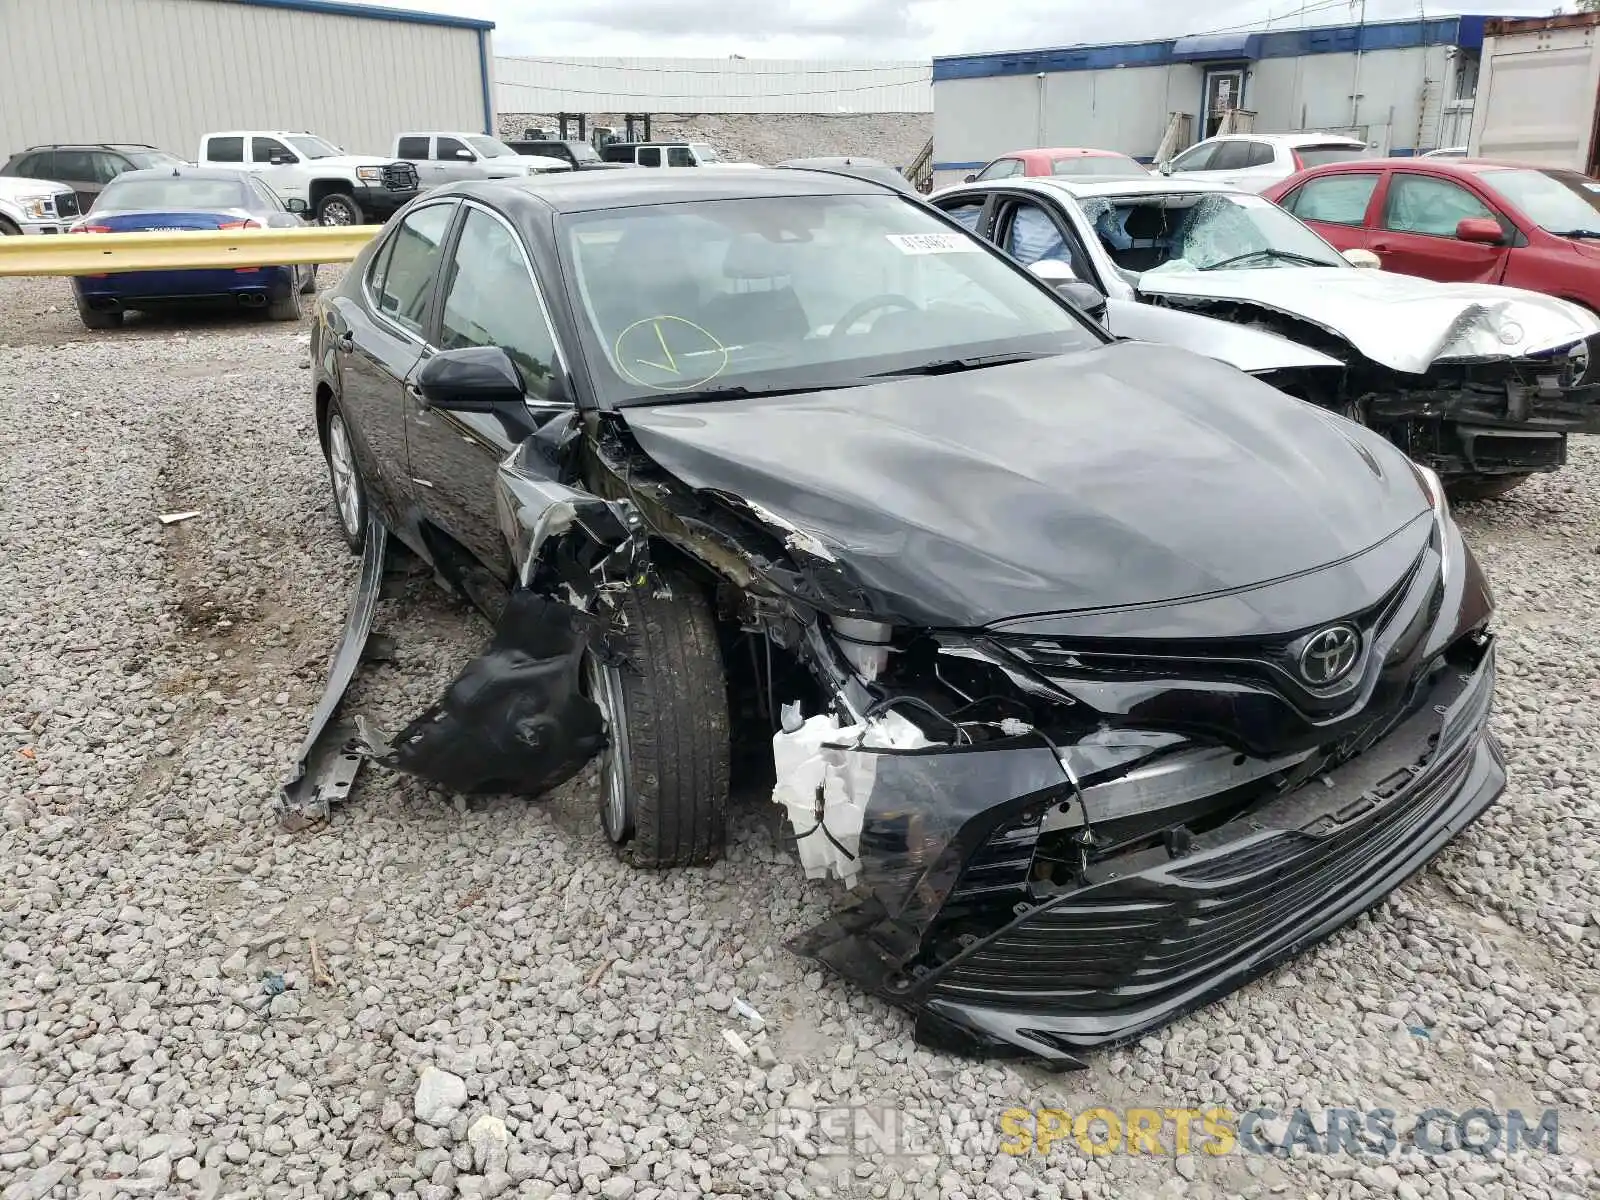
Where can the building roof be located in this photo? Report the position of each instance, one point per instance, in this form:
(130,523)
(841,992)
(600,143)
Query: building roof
(1463,31)
(371,12)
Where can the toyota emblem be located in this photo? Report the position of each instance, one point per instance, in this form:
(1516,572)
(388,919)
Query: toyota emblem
(1329,654)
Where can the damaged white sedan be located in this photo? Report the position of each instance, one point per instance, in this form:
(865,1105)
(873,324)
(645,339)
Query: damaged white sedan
(1479,382)
(1103,674)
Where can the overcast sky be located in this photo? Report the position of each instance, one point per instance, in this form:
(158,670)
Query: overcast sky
(891,28)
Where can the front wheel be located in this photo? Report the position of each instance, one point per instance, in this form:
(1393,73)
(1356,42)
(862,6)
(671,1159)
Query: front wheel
(1483,487)
(664,773)
(338,209)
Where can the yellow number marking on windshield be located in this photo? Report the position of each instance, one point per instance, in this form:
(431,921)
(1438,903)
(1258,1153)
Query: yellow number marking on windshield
(711,349)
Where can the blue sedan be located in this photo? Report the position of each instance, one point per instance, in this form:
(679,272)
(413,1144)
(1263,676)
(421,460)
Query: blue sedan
(177,198)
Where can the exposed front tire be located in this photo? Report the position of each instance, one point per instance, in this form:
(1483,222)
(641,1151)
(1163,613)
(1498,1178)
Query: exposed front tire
(1483,487)
(94,318)
(338,209)
(7,229)
(349,493)
(664,775)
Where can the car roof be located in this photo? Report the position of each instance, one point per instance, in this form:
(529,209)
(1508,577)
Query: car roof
(1289,139)
(1091,185)
(1436,166)
(584,191)
(1066,152)
(213,174)
(92,146)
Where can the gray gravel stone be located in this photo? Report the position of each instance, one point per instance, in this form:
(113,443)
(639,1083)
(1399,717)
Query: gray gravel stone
(149,899)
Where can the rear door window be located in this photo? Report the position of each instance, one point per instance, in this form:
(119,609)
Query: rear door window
(1258,154)
(225,149)
(75,165)
(410,265)
(38,166)
(1421,204)
(414,147)
(1336,199)
(649,156)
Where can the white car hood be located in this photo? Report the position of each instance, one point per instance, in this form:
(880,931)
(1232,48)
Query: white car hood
(14,187)
(1400,321)
(349,160)
(524,164)
(1250,350)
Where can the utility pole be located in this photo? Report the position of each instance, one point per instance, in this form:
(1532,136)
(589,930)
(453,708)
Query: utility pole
(1355,86)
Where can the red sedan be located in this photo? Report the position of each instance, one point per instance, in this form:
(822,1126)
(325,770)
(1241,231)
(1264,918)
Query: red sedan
(1459,220)
(1060,161)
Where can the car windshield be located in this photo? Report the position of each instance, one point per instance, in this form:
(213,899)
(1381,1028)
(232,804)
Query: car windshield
(583,152)
(1317,156)
(489,148)
(794,292)
(312,146)
(147,159)
(171,194)
(705,153)
(1208,231)
(1563,202)
(1096,164)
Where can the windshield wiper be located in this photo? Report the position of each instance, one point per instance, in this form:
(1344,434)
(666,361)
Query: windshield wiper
(1575,233)
(1268,252)
(736,391)
(949,366)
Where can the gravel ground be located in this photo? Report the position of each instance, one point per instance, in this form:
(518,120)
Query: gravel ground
(495,1006)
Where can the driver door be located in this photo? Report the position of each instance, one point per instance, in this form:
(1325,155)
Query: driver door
(489,298)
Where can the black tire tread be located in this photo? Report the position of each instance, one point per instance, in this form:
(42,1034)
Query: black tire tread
(309,287)
(675,693)
(287,309)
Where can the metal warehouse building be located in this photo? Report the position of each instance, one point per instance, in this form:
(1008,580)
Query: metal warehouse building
(1403,86)
(164,72)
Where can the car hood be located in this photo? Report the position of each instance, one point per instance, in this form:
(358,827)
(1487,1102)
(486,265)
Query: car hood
(1127,474)
(351,160)
(15,187)
(1400,321)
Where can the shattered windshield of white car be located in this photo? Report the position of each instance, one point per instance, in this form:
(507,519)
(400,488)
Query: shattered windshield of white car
(1205,232)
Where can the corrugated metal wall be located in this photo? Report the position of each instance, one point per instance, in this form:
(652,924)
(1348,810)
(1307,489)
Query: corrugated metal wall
(1126,109)
(167,71)
(710,85)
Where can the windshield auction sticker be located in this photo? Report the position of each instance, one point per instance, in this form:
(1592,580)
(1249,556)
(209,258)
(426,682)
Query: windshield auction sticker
(933,243)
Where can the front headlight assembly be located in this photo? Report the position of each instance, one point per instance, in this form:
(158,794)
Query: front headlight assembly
(370,174)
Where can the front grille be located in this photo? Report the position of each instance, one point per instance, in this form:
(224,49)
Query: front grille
(66,204)
(1147,938)
(400,177)
(1270,663)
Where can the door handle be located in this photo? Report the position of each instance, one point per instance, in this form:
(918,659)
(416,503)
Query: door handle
(345,343)
(1380,247)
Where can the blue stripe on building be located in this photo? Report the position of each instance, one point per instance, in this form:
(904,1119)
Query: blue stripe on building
(1465,32)
(332,8)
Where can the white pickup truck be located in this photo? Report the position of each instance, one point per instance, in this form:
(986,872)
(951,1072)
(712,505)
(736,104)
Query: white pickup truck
(338,188)
(451,156)
(35,206)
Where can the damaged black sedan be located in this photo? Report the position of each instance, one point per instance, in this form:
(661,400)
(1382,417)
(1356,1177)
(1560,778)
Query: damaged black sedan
(1106,675)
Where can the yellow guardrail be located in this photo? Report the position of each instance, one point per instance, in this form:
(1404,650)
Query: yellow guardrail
(180,250)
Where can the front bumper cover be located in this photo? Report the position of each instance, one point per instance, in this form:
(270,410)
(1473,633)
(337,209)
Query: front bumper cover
(1149,935)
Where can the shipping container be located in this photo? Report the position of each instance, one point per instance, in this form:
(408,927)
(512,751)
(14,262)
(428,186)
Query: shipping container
(1536,92)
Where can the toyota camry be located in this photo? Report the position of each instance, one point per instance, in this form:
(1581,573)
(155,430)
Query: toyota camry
(1101,675)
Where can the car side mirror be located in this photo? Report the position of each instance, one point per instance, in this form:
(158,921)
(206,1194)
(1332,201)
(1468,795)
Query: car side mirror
(480,379)
(1064,280)
(1166,167)
(973,178)
(467,155)
(1484,231)
(280,160)
(296,205)
(1362,258)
